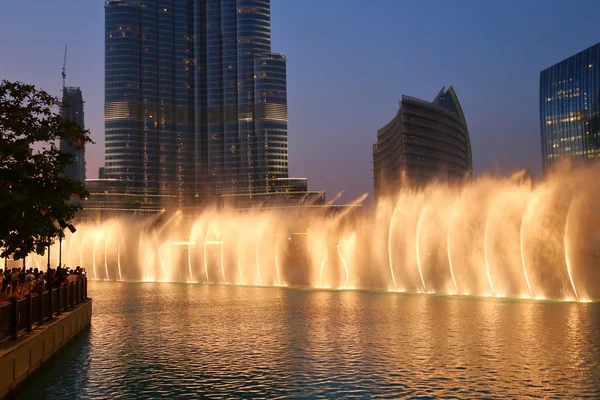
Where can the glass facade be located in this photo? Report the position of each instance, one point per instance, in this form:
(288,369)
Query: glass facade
(254,38)
(148,96)
(180,107)
(73,109)
(426,141)
(570,109)
(270,118)
(112,197)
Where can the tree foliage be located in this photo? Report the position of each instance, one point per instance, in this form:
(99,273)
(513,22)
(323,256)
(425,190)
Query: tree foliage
(34,191)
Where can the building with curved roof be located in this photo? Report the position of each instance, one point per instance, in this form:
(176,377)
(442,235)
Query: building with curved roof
(426,141)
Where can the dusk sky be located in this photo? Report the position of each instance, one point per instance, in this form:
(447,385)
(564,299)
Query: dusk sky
(349,62)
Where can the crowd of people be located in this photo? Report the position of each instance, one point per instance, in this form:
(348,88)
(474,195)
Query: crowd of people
(19,282)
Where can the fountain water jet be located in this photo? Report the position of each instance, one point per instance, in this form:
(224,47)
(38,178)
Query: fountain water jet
(390,246)
(345,265)
(105,258)
(499,236)
(239,263)
(451,219)
(162,263)
(277,260)
(486,252)
(258,261)
(222,254)
(424,211)
(321,270)
(528,211)
(119,259)
(567,248)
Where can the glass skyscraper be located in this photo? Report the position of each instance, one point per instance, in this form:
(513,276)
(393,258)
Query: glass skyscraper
(426,141)
(73,109)
(196,103)
(570,109)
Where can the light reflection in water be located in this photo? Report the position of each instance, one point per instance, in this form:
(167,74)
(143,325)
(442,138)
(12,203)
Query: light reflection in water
(172,340)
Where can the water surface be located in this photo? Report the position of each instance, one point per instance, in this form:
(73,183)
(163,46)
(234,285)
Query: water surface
(151,340)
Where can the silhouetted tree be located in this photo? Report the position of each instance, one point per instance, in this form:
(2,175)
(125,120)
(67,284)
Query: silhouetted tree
(34,191)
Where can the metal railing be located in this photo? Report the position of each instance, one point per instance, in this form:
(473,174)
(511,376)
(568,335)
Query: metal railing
(21,315)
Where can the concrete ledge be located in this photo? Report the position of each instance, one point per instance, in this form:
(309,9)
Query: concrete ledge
(19,358)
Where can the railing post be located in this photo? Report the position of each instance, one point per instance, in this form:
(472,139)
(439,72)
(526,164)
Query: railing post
(59,299)
(77,285)
(72,294)
(41,296)
(51,293)
(29,312)
(15,319)
(85,289)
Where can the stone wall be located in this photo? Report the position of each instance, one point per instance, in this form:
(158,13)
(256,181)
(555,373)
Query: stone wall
(19,358)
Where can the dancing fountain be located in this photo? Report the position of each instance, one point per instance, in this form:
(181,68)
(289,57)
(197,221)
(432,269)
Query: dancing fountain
(490,237)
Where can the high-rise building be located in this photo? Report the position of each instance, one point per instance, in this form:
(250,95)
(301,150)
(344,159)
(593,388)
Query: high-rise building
(426,141)
(73,109)
(195,102)
(570,109)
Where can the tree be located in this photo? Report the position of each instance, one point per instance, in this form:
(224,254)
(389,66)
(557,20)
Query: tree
(34,191)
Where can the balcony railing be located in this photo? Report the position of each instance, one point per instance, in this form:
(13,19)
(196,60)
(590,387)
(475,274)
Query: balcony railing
(21,315)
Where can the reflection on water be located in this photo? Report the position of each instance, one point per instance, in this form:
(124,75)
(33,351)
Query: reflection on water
(175,340)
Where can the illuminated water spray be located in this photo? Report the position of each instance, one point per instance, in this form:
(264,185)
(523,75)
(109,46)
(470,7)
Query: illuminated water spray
(277,259)
(344,263)
(486,252)
(390,231)
(205,260)
(321,267)
(106,257)
(189,252)
(448,245)
(257,260)
(222,255)
(119,260)
(424,211)
(239,264)
(162,262)
(567,249)
(529,210)
(501,214)
(96,238)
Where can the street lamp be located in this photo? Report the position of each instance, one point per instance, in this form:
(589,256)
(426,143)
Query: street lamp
(63,226)
(49,243)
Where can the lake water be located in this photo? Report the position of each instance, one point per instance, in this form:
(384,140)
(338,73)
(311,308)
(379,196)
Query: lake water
(156,340)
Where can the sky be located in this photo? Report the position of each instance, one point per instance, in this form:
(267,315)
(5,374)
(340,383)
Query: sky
(349,63)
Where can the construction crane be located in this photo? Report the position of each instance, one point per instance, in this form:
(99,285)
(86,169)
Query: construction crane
(64,69)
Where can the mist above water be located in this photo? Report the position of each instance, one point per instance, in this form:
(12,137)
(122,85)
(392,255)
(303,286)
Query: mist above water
(504,237)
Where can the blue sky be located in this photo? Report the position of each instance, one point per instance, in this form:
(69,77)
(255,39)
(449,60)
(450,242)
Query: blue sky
(349,62)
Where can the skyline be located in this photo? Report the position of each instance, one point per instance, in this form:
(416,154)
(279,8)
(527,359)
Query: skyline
(344,82)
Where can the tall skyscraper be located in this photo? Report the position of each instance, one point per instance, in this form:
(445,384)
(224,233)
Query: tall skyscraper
(570,109)
(73,109)
(426,141)
(195,102)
